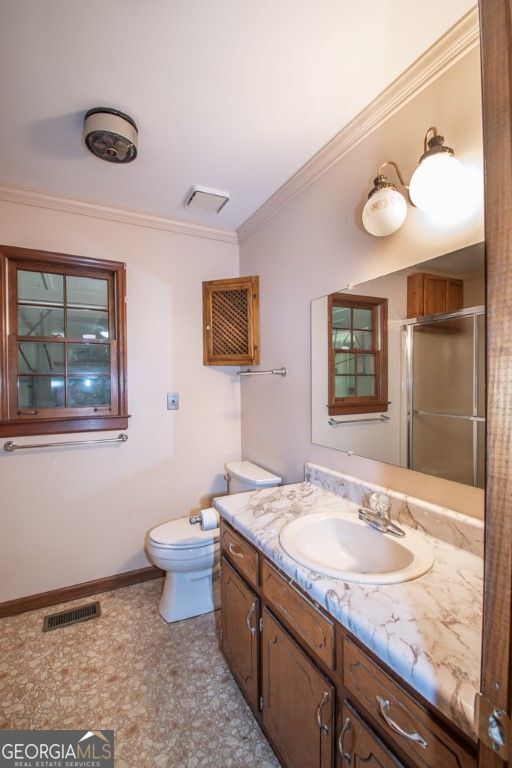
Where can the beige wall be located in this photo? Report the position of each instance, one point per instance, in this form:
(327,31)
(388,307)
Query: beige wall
(73,514)
(315,245)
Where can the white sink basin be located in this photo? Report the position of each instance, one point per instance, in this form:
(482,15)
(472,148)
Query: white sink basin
(340,545)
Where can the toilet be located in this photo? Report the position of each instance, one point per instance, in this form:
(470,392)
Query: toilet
(191,557)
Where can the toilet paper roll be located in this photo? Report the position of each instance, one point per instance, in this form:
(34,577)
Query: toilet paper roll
(209,519)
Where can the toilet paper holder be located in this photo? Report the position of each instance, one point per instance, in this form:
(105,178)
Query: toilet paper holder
(195,519)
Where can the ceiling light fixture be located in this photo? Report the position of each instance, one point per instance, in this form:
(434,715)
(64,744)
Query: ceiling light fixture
(110,135)
(439,186)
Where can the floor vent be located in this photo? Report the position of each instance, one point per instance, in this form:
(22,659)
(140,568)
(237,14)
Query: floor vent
(73,616)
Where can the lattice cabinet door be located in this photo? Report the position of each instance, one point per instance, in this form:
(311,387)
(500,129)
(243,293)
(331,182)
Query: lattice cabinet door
(231,325)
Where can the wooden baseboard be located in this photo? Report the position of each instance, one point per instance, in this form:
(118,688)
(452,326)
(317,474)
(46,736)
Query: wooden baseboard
(62,595)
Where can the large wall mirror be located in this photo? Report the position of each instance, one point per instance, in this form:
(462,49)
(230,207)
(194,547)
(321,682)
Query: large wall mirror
(398,367)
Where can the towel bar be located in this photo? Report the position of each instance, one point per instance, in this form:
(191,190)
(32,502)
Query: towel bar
(11,446)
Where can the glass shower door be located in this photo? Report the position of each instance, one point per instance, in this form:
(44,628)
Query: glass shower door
(446,399)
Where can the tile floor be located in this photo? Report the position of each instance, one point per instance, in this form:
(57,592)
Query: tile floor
(164,689)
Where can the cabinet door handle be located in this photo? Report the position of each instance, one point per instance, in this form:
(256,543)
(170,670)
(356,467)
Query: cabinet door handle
(251,628)
(323,726)
(234,552)
(384,711)
(345,756)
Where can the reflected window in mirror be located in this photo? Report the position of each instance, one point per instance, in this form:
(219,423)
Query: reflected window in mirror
(357,338)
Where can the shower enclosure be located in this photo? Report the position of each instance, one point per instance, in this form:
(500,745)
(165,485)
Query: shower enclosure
(445,393)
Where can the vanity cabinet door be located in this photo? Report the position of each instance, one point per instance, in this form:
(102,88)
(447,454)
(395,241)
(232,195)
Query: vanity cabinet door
(359,746)
(298,701)
(240,616)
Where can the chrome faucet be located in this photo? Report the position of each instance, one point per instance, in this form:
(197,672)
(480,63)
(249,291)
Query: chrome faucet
(378,516)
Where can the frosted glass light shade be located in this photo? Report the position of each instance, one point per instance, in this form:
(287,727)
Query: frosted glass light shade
(438,185)
(384,212)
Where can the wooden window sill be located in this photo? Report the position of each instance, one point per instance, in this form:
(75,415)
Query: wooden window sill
(340,409)
(34,426)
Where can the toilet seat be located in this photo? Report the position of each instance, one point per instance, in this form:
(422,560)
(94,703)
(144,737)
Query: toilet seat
(180,534)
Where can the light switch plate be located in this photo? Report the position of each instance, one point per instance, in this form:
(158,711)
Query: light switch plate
(173,401)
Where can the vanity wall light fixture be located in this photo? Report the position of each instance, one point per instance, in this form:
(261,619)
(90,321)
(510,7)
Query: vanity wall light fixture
(437,186)
(386,208)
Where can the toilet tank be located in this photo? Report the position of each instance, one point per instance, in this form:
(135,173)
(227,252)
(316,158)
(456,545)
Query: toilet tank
(245,476)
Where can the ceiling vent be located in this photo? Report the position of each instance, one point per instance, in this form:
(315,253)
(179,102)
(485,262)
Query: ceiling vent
(110,135)
(206,200)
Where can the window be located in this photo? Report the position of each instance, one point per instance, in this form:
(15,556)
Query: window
(63,348)
(357,341)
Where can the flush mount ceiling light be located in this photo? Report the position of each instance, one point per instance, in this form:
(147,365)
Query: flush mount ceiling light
(439,186)
(206,200)
(110,135)
(386,208)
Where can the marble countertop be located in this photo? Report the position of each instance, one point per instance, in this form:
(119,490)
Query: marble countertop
(427,630)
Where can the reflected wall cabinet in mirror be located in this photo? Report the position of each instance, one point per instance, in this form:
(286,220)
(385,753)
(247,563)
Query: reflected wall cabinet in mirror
(408,389)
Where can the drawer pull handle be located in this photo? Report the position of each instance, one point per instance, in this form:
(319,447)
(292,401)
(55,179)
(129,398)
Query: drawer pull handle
(234,552)
(251,628)
(384,710)
(345,756)
(323,726)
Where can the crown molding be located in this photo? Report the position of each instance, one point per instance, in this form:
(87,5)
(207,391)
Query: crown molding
(452,46)
(11,193)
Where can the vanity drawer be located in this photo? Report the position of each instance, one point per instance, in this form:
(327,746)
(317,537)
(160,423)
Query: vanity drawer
(426,742)
(240,553)
(303,618)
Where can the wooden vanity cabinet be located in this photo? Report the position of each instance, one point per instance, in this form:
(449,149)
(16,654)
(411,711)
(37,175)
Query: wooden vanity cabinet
(358,745)
(297,701)
(398,715)
(303,618)
(240,631)
(316,692)
(241,553)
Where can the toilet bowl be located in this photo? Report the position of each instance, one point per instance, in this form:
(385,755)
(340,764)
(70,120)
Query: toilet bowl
(191,557)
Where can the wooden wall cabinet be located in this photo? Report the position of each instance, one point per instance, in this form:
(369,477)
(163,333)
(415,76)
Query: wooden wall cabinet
(429,294)
(231,324)
(321,699)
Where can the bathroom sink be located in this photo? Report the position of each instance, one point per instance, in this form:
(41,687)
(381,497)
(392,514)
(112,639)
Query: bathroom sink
(340,545)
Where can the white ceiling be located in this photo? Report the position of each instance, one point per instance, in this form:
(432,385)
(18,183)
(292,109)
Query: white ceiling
(230,94)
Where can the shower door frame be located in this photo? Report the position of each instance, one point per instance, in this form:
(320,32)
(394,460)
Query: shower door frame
(475,312)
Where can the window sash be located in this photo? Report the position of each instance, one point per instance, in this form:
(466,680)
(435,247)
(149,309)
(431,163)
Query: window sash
(15,338)
(378,349)
(65,418)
